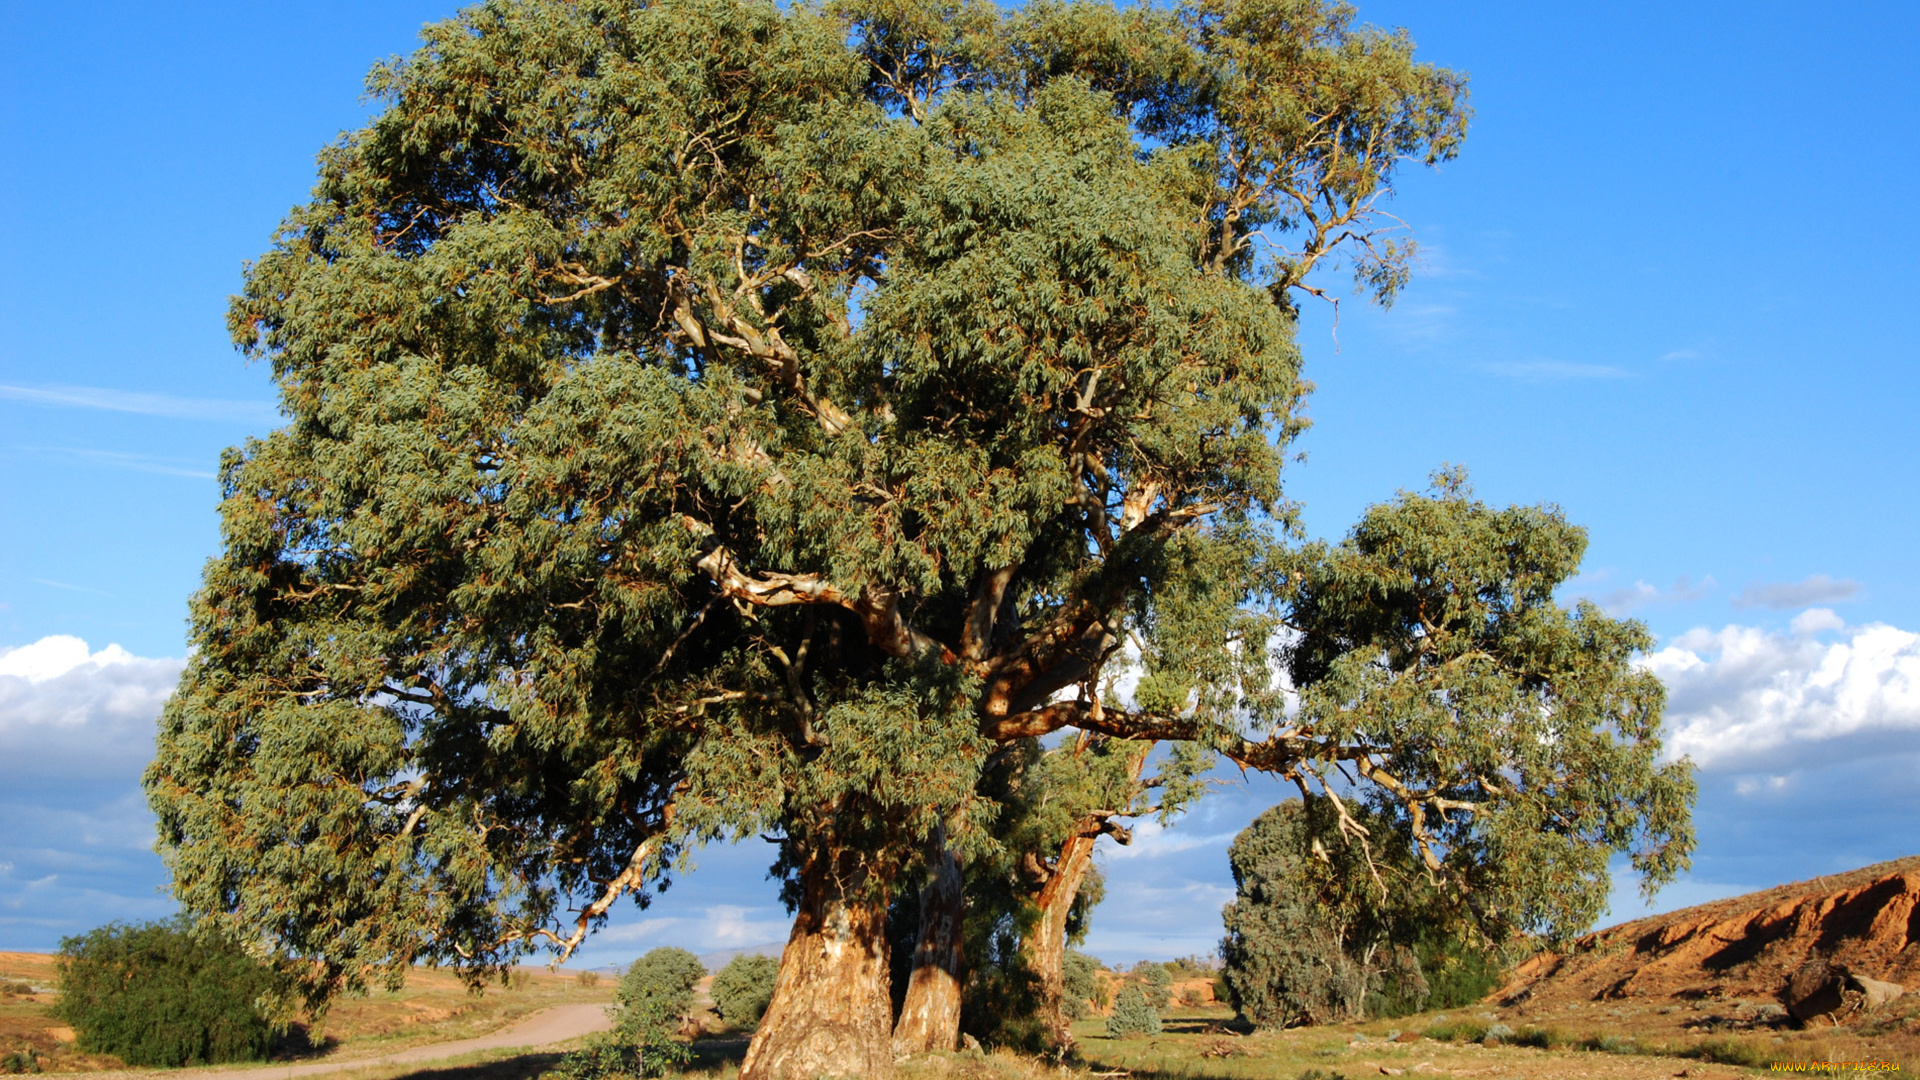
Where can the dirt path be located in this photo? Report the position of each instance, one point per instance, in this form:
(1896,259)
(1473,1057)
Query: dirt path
(544,1028)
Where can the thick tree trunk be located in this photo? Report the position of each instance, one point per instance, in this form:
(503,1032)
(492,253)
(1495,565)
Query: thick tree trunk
(930,1016)
(830,1011)
(1046,946)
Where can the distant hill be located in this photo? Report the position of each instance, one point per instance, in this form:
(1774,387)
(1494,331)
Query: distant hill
(1743,949)
(714,961)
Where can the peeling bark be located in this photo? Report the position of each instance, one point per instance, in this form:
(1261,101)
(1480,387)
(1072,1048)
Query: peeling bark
(831,1013)
(930,1016)
(1045,948)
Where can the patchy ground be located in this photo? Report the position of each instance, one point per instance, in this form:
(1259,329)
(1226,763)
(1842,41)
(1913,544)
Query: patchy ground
(433,1007)
(1722,969)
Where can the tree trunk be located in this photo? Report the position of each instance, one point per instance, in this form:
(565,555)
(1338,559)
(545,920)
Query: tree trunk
(830,1011)
(930,1016)
(1046,946)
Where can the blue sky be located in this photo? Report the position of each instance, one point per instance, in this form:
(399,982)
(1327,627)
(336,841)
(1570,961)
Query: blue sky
(1666,286)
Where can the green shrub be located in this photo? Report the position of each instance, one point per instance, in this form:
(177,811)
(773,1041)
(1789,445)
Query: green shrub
(1458,971)
(1159,982)
(20,1061)
(163,994)
(1132,1015)
(1080,983)
(652,1000)
(610,1056)
(744,988)
(587,980)
(661,982)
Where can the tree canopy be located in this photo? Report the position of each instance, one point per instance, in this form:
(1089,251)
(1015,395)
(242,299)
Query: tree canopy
(710,419)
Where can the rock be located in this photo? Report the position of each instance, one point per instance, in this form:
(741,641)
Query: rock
(1816,989)
(1876,993)
(1821,988)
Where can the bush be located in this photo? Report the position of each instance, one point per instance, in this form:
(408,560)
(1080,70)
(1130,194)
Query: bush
(21,1061)
(163,994)
(1132,1015)
(666,975)
(609,1056)
(1159,982)
(653,998)
(744,988)
(1080,983)
(587,980)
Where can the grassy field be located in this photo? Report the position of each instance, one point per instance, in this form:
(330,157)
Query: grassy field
(433,1007)
(1197,1043)
(1204,1044)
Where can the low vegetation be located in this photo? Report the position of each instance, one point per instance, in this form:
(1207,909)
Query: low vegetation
(742,989)
(161,994)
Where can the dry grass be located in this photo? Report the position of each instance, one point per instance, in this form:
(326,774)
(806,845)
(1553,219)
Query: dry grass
(434,1006)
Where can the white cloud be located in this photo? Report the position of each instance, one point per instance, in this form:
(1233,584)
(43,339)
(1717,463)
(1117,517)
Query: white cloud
(1554,370)
(1746,699)
(179,408)
(1779,595)
(69,714)
(76,728)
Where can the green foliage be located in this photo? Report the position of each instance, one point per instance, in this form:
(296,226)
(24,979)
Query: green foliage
(1132,1015)
(657,991)
(716,418)
(743,989)
(653,997)
(21,1061)
(1081,983)
(1001,1001)
(1313,938)
(1157,982)
(1432,632)
(161,994)
(1457,969)
(610,1056)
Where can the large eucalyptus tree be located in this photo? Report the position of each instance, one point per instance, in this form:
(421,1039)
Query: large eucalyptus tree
(708,418)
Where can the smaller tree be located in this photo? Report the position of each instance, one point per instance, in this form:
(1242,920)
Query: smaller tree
(1157,982)
(161,994)
(1132,1015)
(743,988)
(1313,936)
(1080,980)
(650,1005)
(657,991)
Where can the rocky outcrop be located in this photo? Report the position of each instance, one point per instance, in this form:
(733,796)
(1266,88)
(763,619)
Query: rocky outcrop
(1847,942)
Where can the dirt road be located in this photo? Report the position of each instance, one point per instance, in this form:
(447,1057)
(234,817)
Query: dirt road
(544,1028)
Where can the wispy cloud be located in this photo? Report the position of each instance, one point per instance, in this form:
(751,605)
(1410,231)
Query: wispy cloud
(1553,370)
(1682,354)
(225,410)
(114,459)
(1628,598)
(1811,591)
(51,584)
